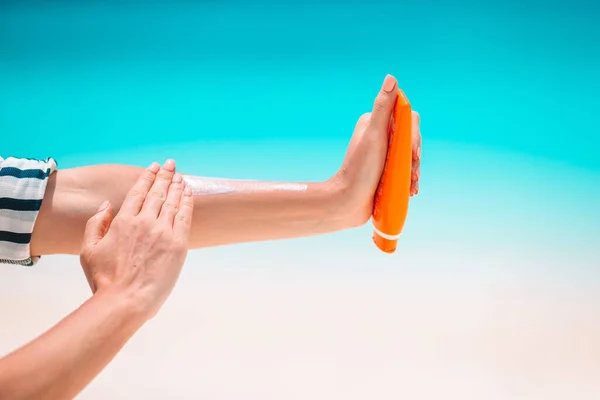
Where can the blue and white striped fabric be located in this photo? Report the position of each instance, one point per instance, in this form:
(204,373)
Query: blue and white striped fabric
(22,187)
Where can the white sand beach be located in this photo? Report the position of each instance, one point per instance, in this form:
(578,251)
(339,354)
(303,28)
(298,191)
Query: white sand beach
(257,322)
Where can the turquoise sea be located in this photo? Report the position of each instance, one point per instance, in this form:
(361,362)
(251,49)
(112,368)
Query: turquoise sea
(507,92)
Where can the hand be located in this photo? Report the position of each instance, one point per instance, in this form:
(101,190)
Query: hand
(141,252)
(363,165)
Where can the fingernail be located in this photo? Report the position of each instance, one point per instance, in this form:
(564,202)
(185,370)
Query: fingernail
(389,83)
(169,165)
(154,167)
(177,178)
(187,191)
(103,206)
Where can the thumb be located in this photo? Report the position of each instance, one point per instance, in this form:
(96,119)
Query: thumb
(384,104)
(97,226)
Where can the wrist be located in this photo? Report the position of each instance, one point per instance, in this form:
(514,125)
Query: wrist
(124,305)
(342,210)
(352,205)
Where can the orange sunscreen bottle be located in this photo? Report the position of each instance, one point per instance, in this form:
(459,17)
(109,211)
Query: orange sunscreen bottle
(393,193)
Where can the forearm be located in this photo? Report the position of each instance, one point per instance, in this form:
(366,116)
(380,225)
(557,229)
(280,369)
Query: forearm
(226,212)
(61,362)
(230,211)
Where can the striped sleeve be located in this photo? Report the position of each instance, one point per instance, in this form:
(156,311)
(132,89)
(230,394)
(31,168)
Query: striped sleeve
(22,187)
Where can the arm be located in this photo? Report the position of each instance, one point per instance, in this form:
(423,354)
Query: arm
(234,213)
(132,265)
(228,211)
(62,361)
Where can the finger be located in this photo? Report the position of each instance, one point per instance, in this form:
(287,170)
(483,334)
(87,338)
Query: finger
(414,189)
(362,122)
(158,193)
(95,230)
(415,176)
(171,205)
(136,196)
(416,170)
(97,226)
(384,104)
(416,135)
(183,219)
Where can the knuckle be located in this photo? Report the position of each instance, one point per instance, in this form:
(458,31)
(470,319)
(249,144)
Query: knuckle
(136,192)
(365,118)
(157,232)
(171,207)
(183,218)
(363,121)
(164,175)
(147,177)
(142,223)
(116,224)
(379,104)
(189,203)
(416,116)
(174,192)
(157,194)
(121,220)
